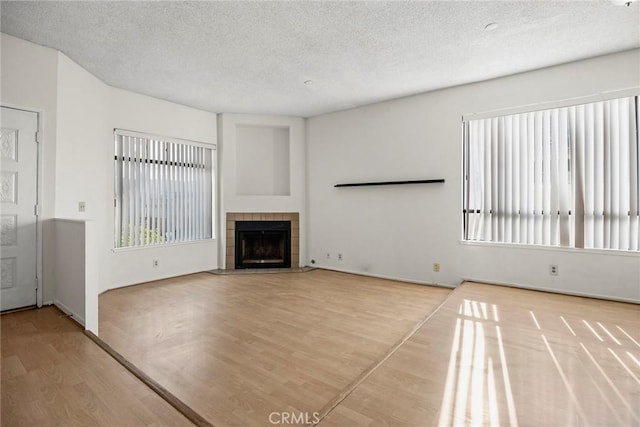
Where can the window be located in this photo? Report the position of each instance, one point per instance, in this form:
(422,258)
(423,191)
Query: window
(163,190)
(561,177)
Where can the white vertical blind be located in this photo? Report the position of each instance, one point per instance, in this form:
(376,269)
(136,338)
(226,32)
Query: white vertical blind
(561,177)
(163,190)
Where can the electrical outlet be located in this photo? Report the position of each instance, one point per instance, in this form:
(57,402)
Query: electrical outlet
(436,267)
(81,206)
(339,257)
(155,263)
(553,270)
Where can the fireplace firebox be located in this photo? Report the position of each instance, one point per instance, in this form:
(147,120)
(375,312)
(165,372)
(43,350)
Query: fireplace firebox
(263,244)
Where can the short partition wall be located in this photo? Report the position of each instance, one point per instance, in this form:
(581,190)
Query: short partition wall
(75,262)
(293,217)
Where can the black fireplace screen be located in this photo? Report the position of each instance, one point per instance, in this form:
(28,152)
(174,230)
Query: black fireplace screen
(263,244)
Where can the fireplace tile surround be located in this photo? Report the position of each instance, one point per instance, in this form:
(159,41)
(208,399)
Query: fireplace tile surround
(232,217)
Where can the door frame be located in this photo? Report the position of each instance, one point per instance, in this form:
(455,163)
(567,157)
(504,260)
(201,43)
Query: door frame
(39,183)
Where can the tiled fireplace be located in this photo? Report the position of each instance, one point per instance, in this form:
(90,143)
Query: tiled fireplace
(255,219)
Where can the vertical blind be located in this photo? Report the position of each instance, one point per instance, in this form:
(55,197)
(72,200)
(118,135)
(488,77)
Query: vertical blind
(163,190)
(563,177)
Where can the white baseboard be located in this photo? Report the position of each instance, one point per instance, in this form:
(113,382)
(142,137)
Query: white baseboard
(75,316)
(551,290)
(381,276)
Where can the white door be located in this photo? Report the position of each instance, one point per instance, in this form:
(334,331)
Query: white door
(18,194)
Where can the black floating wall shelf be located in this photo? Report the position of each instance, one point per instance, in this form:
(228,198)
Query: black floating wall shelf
(369,184)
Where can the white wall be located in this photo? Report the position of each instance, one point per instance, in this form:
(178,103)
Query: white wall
(83,168)
(397,232)
(70,267)
(262,161)
(75,262)
(92,258)
(231,201)
(88,112)
(401,231)
(141,113)
(80,113)
(29,80)
(597,273)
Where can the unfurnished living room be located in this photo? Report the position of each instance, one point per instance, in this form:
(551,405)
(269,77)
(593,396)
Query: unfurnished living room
(320,213)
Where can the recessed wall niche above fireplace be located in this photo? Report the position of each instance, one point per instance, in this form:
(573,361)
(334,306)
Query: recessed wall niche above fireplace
(262,240)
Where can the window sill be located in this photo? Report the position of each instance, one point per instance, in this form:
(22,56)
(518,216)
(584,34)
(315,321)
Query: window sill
(614,252)
(161,246)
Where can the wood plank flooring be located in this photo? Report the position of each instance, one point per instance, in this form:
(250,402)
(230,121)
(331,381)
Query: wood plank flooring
(356,351)
(52,374)
(237,348)
(495,356)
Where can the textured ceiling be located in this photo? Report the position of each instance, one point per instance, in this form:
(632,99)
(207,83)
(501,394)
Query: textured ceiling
(253,57)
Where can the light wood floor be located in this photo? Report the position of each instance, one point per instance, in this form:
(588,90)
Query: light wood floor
(237,348)
(356,350)
(52,374)
(495,356)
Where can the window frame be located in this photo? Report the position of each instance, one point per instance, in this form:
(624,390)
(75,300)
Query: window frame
(118,194)
(532,108)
